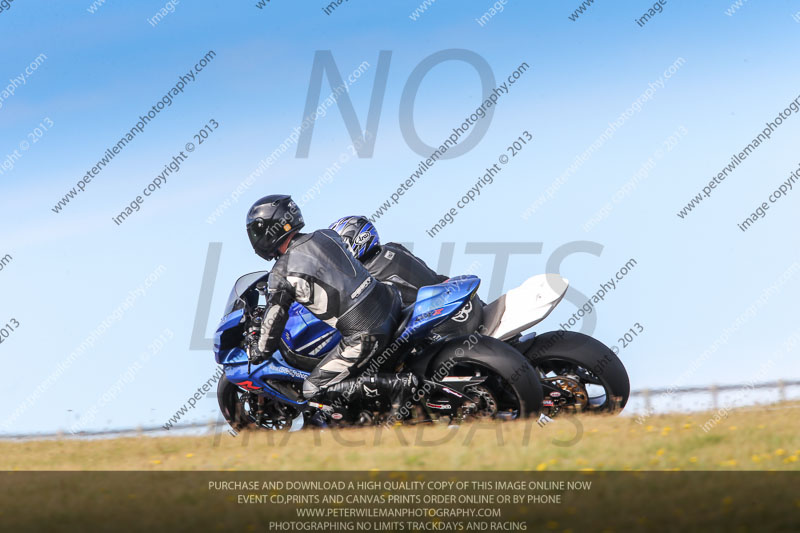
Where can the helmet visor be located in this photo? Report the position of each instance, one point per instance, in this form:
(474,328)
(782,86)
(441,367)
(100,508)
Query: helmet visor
(256,229)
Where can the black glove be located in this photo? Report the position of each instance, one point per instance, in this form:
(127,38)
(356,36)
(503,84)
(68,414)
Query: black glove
(255,356)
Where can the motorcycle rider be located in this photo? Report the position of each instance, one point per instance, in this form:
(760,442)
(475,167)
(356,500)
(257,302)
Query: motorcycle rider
(394,264)
(316,270)
(390,263)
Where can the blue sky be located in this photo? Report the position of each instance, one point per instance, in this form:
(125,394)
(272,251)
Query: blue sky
(693,279)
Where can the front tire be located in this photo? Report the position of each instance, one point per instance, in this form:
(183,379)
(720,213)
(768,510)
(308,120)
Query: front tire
(230,405)
(244,410)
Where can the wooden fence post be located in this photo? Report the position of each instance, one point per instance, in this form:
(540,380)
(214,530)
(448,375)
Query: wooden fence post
(648,408)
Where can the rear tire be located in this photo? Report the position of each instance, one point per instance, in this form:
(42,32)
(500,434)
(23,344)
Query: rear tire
(555,351)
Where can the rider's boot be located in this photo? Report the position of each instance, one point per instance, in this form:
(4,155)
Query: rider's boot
(398,388)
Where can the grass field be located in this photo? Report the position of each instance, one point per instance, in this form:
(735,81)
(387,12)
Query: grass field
(753,439)
(164,481)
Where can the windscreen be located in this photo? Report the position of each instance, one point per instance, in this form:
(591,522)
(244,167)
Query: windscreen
(241,286)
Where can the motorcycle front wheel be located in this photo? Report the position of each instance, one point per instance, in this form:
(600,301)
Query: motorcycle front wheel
(245,410)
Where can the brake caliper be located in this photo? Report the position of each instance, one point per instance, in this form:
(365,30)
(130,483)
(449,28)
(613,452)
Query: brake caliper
(564,391)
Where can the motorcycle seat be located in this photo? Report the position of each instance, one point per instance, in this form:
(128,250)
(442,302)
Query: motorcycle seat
(493,314)
(524,307)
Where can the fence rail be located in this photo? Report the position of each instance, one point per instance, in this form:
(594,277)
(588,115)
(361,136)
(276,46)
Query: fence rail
(213,425)
(715,390)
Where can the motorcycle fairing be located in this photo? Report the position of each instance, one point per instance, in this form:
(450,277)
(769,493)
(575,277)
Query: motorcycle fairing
(275,368)
(226,327)
(436,303)
(306,335)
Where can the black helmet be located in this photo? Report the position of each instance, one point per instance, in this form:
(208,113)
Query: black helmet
(270,221)
(359,235)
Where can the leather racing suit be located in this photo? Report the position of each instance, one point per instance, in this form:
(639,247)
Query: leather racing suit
(319,272)
(396,265)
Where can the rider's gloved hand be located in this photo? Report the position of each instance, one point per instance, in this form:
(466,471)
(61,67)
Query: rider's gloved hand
(255,356)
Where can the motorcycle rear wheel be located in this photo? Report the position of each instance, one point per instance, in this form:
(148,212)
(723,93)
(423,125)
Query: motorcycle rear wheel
(585,367)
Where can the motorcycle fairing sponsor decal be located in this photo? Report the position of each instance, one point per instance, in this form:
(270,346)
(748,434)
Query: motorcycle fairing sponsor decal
(463,315)
(290,371)
(248,385)
(429,314)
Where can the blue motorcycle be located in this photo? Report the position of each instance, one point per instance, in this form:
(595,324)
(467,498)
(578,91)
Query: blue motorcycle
(492,372)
